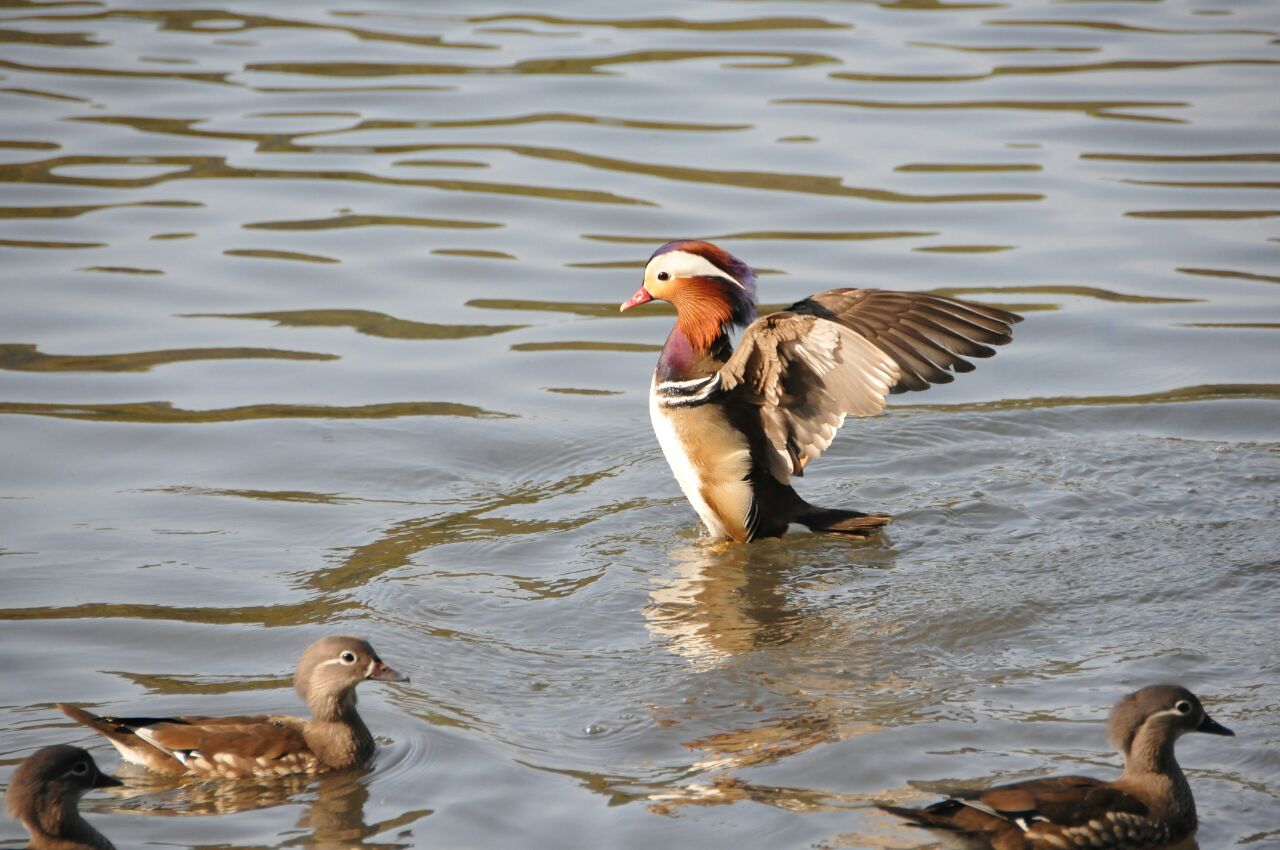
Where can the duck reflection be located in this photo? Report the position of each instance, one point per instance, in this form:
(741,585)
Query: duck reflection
(334,815)
(739,612)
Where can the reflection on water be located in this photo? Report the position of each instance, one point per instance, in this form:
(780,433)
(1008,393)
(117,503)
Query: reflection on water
(246,398)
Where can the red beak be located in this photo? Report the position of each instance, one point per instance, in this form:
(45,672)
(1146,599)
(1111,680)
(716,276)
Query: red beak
(642,296)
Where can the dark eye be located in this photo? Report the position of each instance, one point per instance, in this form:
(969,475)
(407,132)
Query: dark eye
(347,658)
(663,276)
(80,769)
(1183,707)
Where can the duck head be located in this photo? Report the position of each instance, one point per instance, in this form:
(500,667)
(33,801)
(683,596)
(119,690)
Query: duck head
(1158,715)
(52,780)
(330,669)
(712,290)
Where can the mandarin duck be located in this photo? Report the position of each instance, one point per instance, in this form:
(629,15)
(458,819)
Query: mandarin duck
(44,795)
(1149,806)
(736,426)
(262,745)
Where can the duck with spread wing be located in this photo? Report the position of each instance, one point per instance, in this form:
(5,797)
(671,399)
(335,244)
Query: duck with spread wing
(737,425)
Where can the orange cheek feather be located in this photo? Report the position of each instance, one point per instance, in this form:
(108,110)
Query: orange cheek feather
(702,311)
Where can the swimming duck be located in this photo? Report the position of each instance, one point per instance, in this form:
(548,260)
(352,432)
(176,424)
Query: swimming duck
(1149,806)
(44,794)
(263,745)
(735,426)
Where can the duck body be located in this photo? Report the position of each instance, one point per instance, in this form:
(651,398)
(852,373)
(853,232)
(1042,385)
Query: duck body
(262,746)
(44,796)
(737,425)
(1149,807)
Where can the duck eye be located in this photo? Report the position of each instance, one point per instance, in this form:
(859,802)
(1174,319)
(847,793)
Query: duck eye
(80,768)
(1183,707)
(347,658)
(664,276)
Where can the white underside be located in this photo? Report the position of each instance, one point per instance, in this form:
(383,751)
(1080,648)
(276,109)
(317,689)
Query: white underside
(709,457)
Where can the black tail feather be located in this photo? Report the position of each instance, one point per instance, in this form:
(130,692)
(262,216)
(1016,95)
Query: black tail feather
(837,521)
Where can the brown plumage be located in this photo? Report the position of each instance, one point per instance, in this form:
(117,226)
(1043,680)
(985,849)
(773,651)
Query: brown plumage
(335,736)
(1150,806)
(790,384)
(44,795)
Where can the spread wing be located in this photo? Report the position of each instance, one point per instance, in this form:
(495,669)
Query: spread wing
(842,352)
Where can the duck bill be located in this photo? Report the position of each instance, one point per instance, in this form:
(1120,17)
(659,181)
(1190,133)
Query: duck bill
(383,673)
(106,781)
(1213,727)
(642,296)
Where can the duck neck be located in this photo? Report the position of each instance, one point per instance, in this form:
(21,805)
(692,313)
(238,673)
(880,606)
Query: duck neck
(686,358)
(336,733)
(56,823)
(1152,773)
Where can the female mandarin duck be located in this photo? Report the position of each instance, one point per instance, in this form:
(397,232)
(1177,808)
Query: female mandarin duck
(735,426)
(263,745)
(44,795)
(1149,806)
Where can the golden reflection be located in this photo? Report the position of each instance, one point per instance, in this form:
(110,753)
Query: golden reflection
(1079,291)
(578,65)
(1092,108)
(1203,392)
(339,222)
(473,253)
(1115,26)
(77,211)
(333,816)
(164,413)
(968,167)
(27,358)
(267,254)
(58,246)
(737,25)
(221,22)
(1050,70)
(314,610)
(799,235)
(1185,158)
(963,249)
(397,544)
(1204,214)
(1232,275)
(216,167)
(366,322)
(119,270)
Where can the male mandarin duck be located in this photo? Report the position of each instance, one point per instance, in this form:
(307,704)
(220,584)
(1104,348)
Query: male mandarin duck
(1149,806)
(262,745)
(44,796)
(735,426)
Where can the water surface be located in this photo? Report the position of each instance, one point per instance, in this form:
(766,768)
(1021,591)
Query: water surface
(310,325)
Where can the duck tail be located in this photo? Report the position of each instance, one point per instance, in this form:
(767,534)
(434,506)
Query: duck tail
(838,521)
(925,818)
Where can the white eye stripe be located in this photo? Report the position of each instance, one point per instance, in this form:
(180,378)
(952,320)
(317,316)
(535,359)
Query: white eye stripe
(684,264)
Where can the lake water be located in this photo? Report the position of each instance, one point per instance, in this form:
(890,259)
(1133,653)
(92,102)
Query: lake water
(310,325)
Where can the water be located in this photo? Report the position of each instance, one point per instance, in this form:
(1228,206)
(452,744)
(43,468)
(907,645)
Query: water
(310,326)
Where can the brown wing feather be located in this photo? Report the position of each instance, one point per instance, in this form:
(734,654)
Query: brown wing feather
(840,353)
(1064,800)
(805,374)
(927,335)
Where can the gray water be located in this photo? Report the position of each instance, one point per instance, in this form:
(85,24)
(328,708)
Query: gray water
(310,326)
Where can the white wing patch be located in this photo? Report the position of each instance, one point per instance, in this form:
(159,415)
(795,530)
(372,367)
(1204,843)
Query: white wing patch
(855,378)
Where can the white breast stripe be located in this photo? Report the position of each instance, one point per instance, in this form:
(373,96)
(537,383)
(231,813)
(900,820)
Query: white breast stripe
(686,393)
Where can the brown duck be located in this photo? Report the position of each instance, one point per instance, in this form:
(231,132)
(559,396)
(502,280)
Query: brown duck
(736,426)
(1149,806)
(44,795)
(262,745)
